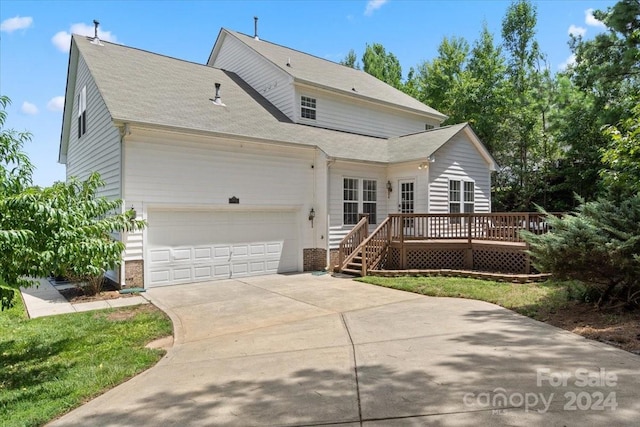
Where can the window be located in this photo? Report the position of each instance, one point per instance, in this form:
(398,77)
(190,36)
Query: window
(469,196)
(350,204)
(454,196)
(427,126)
(308,108)
(461,197)
(82,112)
(369,199)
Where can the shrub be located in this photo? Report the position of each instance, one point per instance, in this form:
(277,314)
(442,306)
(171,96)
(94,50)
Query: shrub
(598,244)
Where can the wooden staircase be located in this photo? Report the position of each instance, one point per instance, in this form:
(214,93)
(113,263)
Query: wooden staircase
(354,265)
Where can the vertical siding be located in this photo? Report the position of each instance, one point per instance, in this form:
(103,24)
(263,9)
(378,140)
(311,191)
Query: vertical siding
(272,83)
(358,117)
(98,150)
(172,170)
(459,160)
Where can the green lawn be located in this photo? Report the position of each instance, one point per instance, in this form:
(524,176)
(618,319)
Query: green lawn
(530,299)
(50,365)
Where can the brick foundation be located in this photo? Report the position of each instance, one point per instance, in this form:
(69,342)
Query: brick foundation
(314,259)
(134,274)
(334,254)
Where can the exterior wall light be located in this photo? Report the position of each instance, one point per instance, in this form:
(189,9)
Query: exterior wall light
(389,189)
(312,215)
(132,213)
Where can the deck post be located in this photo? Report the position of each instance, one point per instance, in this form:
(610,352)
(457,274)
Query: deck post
(403,251)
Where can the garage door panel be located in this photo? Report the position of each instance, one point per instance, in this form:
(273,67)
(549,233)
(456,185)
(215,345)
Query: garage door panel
(184,247)
(182,255)
(159,255)
(203,254)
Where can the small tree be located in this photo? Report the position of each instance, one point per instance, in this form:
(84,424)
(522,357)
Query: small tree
(65,229)
(599,244)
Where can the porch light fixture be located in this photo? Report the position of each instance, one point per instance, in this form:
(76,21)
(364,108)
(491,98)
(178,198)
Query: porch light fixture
(389,189)
(132,213)
(312,215)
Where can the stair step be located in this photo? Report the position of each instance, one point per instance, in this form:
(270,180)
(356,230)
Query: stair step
(352,272)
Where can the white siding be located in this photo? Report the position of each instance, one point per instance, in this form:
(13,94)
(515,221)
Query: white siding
(165,170)
(98,150)
(340,113)
(409,172)
(337,172)
(269,81)
(459,160)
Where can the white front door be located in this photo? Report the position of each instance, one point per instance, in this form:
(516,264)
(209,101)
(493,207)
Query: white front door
(406,203)
(406,200)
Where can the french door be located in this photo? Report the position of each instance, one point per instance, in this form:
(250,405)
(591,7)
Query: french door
(406,203)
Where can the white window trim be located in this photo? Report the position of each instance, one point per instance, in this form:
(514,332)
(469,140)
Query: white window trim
(360,197)
(82,112)
(462,202)
(303,99)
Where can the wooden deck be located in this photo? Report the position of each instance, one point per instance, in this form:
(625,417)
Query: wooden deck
(470,242)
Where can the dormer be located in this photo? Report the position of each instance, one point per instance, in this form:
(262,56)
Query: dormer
(314,91)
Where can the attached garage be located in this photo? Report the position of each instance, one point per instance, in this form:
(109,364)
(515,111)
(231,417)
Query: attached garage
(197,246)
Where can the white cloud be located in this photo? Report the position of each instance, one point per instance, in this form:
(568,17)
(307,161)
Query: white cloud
(373,5)
(56,103)
(62,39)
(577,31)
(571,60)
(589,19)
(18,23)
(29,108)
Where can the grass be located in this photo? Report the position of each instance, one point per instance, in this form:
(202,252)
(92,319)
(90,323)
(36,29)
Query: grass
(531,299)
(50,365)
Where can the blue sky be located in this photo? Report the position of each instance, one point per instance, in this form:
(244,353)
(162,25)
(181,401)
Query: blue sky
(34,40)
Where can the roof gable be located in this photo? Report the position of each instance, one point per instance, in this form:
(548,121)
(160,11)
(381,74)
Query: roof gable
(312,70)
(147,89)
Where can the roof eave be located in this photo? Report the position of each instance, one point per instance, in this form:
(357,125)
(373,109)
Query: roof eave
(65,131)
(216,46)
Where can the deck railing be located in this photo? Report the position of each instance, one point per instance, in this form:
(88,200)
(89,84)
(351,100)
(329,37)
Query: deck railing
(469,226)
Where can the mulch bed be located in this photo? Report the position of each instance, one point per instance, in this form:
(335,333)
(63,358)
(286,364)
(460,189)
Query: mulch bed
(77,294)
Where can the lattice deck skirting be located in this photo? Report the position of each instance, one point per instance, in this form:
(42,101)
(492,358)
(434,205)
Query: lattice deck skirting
(500,277)
(495,257)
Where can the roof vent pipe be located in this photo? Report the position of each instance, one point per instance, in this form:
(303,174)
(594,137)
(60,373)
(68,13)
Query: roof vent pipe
(96,40)
(217,100)
(255,28)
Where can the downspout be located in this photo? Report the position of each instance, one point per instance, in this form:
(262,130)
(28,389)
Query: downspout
(123,207)
(328,165)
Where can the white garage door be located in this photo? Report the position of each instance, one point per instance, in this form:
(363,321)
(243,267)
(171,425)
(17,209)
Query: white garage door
(186,247)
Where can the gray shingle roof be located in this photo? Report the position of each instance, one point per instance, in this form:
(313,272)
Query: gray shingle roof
(317,71)
(143,87)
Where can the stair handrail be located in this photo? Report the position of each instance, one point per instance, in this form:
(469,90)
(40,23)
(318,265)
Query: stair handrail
(347,248)
(371,258)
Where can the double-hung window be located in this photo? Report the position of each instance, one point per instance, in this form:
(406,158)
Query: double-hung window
(461,196)
(82,112)
(307,107)
(350,203)
(359,195)
(369,199)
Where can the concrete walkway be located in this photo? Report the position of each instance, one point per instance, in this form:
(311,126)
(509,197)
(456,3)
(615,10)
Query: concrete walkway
(45,300)
(309,350)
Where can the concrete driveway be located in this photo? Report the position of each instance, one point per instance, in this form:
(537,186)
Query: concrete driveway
(318,351)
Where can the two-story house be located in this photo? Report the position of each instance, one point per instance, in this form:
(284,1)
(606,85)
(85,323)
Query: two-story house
(258,161)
